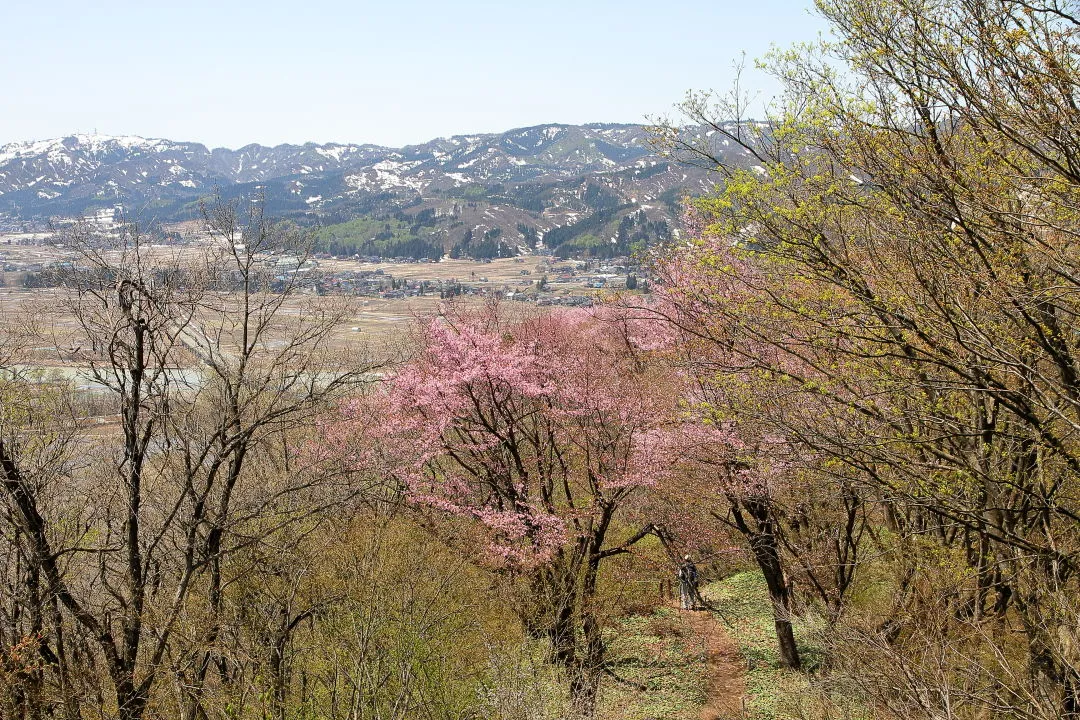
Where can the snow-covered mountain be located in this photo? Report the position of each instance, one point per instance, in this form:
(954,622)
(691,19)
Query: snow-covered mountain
(72,174)
(58,176)
(540,178)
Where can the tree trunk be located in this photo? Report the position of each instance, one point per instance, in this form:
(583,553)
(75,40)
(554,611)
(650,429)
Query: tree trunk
(767,554)
(785,637)
(72,709)
(585,684)
(278,677)
(130,701)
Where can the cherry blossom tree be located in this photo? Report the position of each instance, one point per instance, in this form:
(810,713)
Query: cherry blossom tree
(536,434)
(745,475)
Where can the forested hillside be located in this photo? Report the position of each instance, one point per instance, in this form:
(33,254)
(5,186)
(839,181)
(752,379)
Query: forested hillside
(826,466)
(483,196)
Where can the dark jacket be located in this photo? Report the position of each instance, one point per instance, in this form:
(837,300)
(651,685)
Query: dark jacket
(688,572)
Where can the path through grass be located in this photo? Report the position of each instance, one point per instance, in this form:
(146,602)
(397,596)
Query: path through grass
(773,693)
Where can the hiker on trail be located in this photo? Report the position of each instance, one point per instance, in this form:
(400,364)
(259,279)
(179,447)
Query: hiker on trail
(688,581)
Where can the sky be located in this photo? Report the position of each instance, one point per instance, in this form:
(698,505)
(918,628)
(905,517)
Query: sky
(229,73)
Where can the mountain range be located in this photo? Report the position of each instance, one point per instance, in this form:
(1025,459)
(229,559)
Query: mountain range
(595,186)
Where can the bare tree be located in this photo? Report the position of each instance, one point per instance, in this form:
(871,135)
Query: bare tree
(208,358)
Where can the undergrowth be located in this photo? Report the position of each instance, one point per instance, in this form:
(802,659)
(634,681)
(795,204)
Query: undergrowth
(659,668)
(742,603)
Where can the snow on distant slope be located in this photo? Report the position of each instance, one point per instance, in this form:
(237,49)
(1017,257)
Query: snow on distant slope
(66,175)
(93,144)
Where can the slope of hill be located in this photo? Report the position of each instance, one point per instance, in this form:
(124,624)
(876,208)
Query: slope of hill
(597,188)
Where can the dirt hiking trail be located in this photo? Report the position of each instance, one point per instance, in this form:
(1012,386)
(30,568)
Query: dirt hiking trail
(725,667)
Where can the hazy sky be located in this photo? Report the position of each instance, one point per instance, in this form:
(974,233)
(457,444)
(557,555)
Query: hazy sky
(394,72)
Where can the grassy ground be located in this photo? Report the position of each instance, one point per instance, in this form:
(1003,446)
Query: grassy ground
(662,653)
(664,658)
(744,607)
(773,693)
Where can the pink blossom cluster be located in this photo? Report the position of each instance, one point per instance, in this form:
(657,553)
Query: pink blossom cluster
(526,426)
